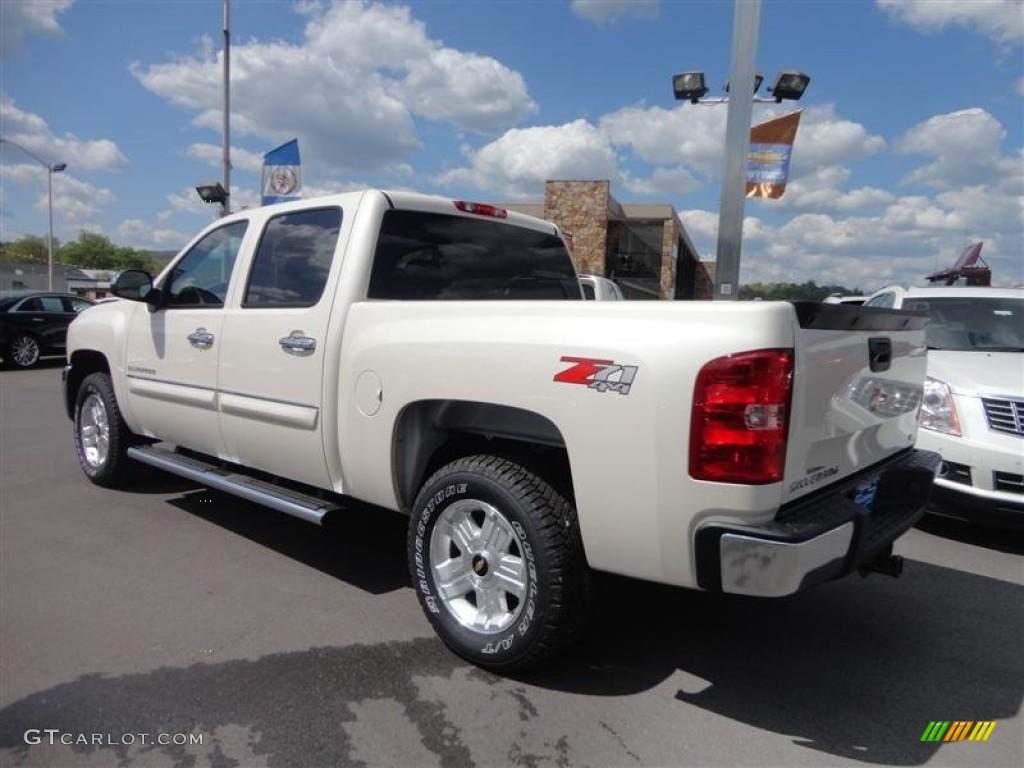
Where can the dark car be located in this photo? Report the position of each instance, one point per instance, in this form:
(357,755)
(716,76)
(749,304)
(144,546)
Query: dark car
(35,323)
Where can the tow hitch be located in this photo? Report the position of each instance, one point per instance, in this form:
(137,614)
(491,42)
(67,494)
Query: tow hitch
(885,562)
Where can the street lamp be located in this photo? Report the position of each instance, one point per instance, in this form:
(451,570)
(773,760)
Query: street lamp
(51,168)
(789,86)
(212,192)
(689,86)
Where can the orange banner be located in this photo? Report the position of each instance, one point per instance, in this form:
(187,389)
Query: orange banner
(771,144)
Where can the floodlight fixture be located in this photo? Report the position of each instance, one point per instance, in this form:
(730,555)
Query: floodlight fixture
(689,86)
(212,192)
(758,79)
(789,85)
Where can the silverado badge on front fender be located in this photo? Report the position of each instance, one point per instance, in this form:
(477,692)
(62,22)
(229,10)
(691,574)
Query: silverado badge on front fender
(602,375)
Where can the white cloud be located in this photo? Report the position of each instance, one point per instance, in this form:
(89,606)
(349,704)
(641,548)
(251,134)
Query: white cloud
(825,139)
(518,163)
(604,11)
(351,91)
(693,136)
(186,201)
(136,233)
(31,132)
(76,203)
(664,181)
(1001,20)
(23,17)
(965,148)
(211,154)
(822,190)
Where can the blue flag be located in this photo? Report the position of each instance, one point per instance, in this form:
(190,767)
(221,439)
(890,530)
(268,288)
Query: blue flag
(282,179)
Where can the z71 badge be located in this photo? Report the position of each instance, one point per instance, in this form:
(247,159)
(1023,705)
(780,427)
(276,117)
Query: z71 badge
(602,375)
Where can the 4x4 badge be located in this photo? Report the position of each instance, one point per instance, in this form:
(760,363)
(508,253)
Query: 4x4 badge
(602,375)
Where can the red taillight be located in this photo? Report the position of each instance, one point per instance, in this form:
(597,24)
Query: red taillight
(740,418)
(481,209)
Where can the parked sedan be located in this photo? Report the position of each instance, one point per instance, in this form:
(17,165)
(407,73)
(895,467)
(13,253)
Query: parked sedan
(973,409)
(35,323)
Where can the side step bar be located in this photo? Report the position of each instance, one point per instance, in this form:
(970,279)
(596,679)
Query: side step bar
(305,507)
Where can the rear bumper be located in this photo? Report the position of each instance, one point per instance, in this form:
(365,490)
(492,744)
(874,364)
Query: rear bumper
(819,537)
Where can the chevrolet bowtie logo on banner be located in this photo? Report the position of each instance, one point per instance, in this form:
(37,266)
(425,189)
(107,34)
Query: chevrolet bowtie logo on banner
(282,180)
(771,144)
(958,730)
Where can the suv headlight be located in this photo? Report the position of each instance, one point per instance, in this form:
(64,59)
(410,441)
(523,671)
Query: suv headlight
(937,410)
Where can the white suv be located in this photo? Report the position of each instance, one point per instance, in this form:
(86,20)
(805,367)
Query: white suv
(973,409)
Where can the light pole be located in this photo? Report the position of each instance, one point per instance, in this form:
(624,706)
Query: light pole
(215,191)
(51,168)
(689,86)
(225,206)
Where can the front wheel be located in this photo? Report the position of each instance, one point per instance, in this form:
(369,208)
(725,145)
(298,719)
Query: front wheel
(23,351)
(497,562)
(102,438)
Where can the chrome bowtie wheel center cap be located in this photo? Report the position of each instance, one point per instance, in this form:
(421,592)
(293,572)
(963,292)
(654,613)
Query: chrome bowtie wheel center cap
(480,566)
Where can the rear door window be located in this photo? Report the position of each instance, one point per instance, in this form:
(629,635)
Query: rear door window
(293,259)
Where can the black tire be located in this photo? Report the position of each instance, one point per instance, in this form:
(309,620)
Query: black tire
(102,438)
(497,561)
(23,351)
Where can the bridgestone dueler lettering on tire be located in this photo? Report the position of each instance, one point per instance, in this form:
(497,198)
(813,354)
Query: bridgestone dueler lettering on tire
(497,562)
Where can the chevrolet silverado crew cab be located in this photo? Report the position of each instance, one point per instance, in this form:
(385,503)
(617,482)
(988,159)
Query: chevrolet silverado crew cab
(435,357)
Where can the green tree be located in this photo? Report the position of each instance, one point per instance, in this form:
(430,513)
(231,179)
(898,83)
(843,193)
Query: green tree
(28,248)
(95,251)
(808,291)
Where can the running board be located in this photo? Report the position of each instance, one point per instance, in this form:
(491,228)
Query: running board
(300,505)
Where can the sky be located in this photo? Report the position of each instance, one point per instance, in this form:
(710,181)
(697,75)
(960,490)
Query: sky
(909,146)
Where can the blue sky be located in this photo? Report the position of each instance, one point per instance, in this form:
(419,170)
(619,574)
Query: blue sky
(910,144)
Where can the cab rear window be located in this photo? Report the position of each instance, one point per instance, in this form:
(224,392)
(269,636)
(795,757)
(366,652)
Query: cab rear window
(435,257)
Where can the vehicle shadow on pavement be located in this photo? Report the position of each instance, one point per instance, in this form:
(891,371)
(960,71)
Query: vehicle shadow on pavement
(1001,540)
(362,546)
(855,668)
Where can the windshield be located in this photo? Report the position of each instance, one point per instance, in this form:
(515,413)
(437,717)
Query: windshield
(972,323)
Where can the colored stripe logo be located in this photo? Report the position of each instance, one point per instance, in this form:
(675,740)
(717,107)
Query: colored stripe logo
(958,730)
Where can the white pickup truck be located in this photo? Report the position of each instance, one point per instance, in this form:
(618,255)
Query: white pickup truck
(435,357)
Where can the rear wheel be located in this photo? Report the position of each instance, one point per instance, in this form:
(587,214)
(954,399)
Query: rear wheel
(101,436)
(497,562)
(23,351)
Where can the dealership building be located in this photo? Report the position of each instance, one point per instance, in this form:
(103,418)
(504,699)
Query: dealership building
(643,247)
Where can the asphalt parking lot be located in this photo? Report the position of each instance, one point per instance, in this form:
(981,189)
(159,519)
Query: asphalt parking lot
(169,613)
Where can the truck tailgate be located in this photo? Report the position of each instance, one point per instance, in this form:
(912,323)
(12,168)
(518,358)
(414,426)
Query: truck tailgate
(857,388)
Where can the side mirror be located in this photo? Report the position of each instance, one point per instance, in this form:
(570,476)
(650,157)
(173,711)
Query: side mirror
(134,285)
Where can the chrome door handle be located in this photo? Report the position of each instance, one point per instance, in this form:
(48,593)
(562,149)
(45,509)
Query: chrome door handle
(296,341)
(200,338)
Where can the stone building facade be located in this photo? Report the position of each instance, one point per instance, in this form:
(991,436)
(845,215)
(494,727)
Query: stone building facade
(642,247)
